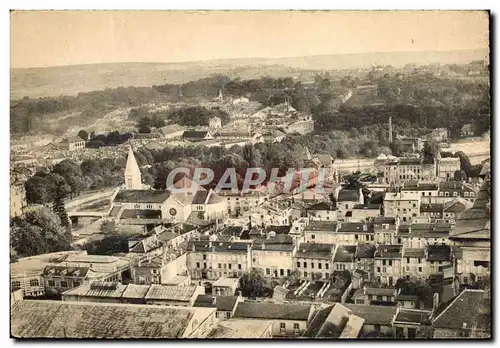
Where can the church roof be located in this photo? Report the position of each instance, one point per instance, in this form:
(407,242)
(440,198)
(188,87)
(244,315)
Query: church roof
(142,196)
(132,166)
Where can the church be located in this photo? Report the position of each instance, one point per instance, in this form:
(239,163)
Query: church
(137,203)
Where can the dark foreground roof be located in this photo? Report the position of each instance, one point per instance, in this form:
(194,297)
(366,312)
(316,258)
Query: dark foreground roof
(272,311)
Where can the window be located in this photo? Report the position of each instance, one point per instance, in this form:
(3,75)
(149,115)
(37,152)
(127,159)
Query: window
(204,256)
(446,194)
(282,327)
(51,283)
(466,194)
(227,315)
(312,264)
(197,265)
(16,285)
(137,206)
(64,284)
(217,314)
(34,282)
(229,265)
(319,265)
(378,269)
(419,261)
(268,271)
(298,264)
(455,194)
(282,272)
(383,262)
(441,194)
(75,284)
(288,272)
(305,264)
(327,266)
(239,266)
(407,268)
(305,274)
(472,194)
(384,269)
(377,327)
(407,260)
(390,262)
(149,206)
(204,265)
(296,328)
(360,302)
(420,269)
(219,266)
(313,236)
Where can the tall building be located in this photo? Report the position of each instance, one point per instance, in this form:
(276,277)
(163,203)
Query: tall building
(390,130)
(132,172)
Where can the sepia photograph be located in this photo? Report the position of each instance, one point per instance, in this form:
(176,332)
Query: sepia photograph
(244,174)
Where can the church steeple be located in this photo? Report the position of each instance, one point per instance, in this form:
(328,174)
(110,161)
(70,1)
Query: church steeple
(132,172)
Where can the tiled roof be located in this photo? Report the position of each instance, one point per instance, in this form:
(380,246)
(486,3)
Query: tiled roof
(195,134)
(320,206)
(348,196)
(235,231)
(272,311)
(200,197)
(56,319)
(240,329)
(314,251)
(58,271)
(388,251)
(414,253)
(170,292)
(206,246)
(98,289)
(365,251)
(373,315)
(438,252)
(344,253)
(413,316)
(355,227)
(134,291)
(462,312)
(222,303)
(322,226)
(431,207)
(142,196)
(375,291)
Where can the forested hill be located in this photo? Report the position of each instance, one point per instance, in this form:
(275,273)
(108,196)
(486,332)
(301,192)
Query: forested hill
(71,80)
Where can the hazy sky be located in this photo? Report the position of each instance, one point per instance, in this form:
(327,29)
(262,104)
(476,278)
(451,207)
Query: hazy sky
(54,38)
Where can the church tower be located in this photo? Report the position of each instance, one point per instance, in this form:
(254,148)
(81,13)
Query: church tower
(132,172)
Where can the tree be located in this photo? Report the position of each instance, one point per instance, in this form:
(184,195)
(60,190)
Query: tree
(83,134)
(109,245)
(397,147)
(38,231)
(459,175)
(465,164)
(108,227)
(144,125)
(13,255)
(72,175)
(252,284)
(431,150)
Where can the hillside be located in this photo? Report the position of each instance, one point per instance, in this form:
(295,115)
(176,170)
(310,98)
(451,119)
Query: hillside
(70,80)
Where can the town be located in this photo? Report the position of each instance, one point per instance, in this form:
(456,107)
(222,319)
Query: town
(327,204)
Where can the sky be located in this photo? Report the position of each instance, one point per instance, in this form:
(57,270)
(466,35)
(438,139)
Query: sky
(56,38)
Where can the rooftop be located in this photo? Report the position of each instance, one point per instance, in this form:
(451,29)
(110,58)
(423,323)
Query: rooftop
(365,251)
(388,251)
(240,328)
(373,315)
(222,303)
(315,251)
(413,316)
(344,253)
(272,311)
(348,196)
(171,292)
(142,196)
(414,253)
(98,289)
(56,319)
(330,226)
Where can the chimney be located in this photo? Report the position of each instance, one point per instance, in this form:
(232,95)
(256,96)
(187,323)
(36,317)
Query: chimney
(214,300)
(240,294)
(364,290)
(365,227)
(263,246)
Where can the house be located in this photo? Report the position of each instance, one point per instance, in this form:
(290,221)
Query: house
(351,233)
(215,123)
(194,136)
(466,316)
(411,144)
(434,211)
(346,200)
(108,320)
(225,305)
(321,232)
(334,321)
(439,134)
(449,190)
(241,329)
(273,255)
(385,229)
(225,286)
(322,212)
(289,320)
(243,201)
(467,130)
(427,191)
(61,278)
(314,258)
(420,235)
(413,262)
(343,259)
(447,167)
(213,260)
(74,143)
(364,259)
(388,263)
(411,323)
(274,135)
(374,296)
(409,169)
(173,131)
(362,212)
(404,205)
(159,270)
(377,319)
(209,205)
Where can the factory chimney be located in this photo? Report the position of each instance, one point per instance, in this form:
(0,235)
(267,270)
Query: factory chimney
(390,129)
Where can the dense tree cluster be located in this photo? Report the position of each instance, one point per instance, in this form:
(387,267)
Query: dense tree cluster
(38,231)
(110,139)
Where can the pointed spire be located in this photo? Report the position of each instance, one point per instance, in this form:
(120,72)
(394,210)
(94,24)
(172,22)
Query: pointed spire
(132,172)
